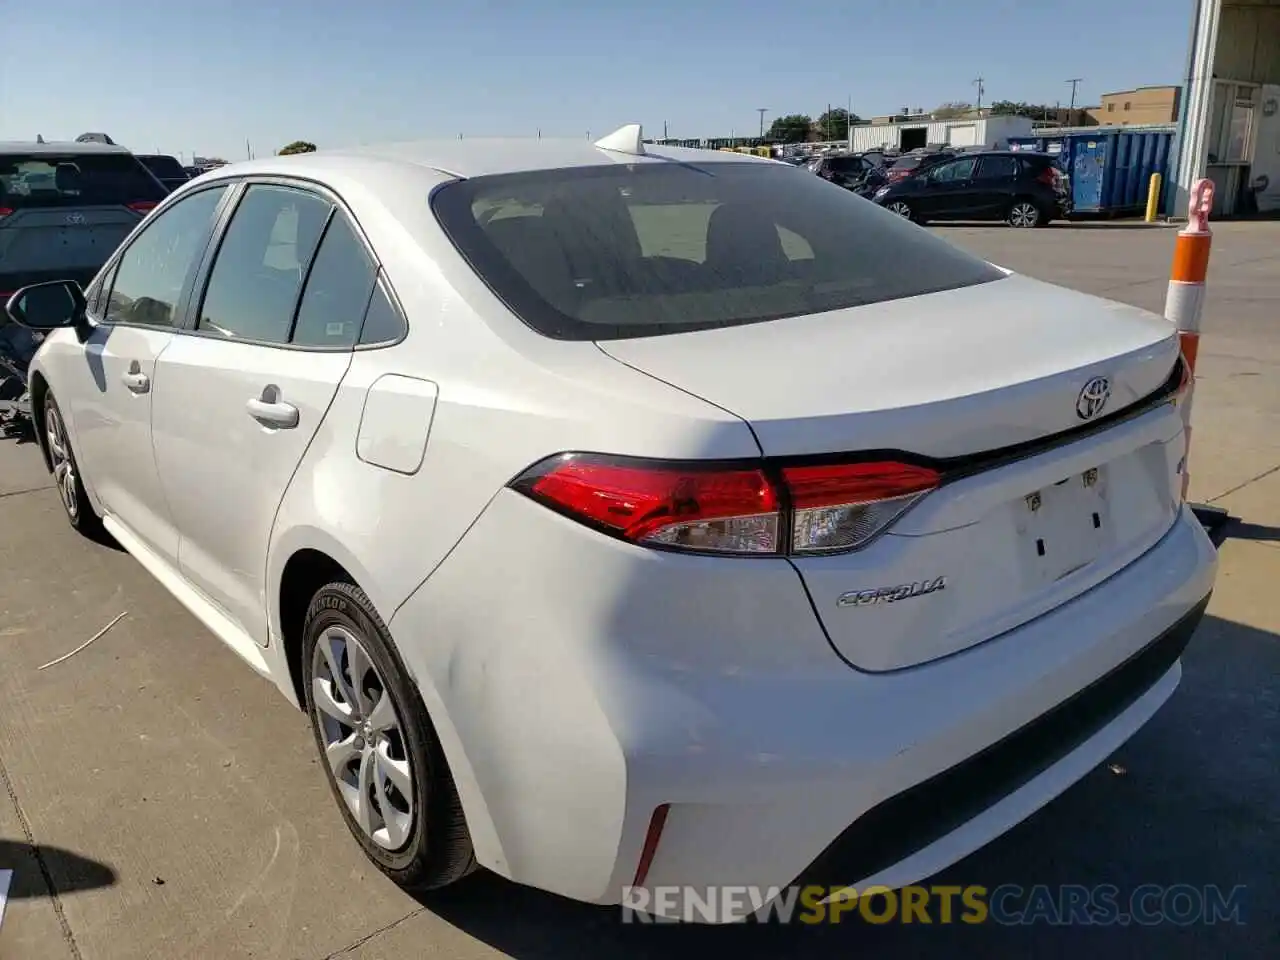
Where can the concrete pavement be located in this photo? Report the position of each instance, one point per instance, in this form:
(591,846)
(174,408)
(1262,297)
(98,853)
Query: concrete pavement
(161,801)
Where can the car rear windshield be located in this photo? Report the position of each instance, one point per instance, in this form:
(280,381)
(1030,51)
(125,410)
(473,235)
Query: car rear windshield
(634,250)
(906,163)
(166,168)
(31,181)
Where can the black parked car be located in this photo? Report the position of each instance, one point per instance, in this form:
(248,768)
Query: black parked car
(843,169)
(915,162)
(1023,189)
(164,168)
(863,173)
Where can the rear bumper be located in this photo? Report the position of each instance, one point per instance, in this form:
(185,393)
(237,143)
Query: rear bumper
(598,690)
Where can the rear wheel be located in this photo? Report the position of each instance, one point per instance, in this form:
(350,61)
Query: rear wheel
(383,760)
(66,472)
(1024,214)
(900,207)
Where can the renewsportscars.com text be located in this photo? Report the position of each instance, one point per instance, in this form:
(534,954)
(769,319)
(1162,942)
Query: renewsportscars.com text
(1006,905)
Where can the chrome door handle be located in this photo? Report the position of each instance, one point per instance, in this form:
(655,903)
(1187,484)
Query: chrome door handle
(277,413)
(136,382)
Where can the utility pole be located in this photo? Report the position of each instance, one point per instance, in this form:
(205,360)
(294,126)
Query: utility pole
(664,129)
(761,110)
(1075,82)
(981,89)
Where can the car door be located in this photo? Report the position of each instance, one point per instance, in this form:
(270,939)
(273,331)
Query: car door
(243,391)
(946,193)
(994,184)
(846,171)
(132,313)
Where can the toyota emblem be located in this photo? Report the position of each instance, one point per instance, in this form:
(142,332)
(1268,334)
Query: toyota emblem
(1093,397)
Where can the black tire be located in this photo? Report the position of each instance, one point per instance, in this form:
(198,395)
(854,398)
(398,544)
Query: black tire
(75,501)
(1024,214)
(438,851)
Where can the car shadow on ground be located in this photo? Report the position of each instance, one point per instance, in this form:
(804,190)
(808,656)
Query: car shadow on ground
(1258,532)
(1192,800)
(36,868)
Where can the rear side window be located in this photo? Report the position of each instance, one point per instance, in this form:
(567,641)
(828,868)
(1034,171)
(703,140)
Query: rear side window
(654,248)
(338,289)
(39,180)
(383,323)
(998,168)
(167,168)
(256,278)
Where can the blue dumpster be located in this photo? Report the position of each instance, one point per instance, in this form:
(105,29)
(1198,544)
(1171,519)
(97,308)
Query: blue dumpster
(1110,167)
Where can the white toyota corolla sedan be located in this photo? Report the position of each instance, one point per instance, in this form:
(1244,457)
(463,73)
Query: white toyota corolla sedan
(633,517)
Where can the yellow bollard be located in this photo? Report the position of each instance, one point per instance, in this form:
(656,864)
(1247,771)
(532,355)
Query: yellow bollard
(1153,198)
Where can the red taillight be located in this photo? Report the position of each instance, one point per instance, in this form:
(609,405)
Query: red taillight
(798,510)
(5,211)
(1184,377)
(1049,176)
(142,206)
(651,838)
(733,510)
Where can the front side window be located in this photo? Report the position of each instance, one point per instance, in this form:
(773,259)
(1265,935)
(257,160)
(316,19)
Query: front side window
(257,275)
(654,248)
(157,266)
(953,172)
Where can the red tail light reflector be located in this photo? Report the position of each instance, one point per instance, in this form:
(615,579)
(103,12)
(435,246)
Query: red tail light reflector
(1184,379)
(5,211)
(711,508)
(143,206)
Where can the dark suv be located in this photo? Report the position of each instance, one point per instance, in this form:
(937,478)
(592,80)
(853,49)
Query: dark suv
(1023,189)
(164,168)
(845,170)
(65,207)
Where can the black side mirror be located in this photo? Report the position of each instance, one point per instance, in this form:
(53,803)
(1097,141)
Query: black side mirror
(48,306)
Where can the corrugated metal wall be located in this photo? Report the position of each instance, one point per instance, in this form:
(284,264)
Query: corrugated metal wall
(1248,43)
(984,132)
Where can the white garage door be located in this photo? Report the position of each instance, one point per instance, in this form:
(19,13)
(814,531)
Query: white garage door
(963,135)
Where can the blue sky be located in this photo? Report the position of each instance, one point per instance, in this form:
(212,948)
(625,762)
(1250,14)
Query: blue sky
(205,76)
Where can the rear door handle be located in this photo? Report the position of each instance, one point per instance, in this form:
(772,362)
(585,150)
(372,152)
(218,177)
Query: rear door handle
(136,381)
(273,413)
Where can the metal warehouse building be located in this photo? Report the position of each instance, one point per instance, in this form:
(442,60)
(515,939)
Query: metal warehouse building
(909,133)
(1229,128)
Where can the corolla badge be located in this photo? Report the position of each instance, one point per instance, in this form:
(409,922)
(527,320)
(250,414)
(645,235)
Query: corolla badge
(1093,397)
(904,591)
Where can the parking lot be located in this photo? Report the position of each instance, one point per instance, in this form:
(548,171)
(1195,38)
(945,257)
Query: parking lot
(164,802)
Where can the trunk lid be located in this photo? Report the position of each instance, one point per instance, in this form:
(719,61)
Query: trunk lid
(943,375)
(949,376)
